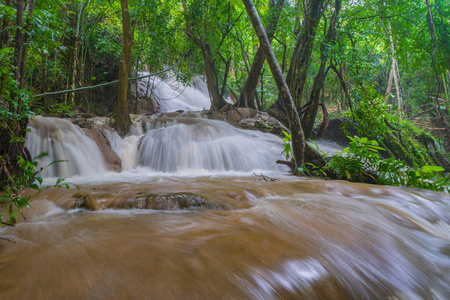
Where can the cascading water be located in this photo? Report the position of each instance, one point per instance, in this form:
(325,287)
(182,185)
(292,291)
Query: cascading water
(64,142)
(161,230)
(200,144)
(172,95)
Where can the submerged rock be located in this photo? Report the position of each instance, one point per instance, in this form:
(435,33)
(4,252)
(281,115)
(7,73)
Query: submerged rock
(86,201)
(174,201)
(181,201)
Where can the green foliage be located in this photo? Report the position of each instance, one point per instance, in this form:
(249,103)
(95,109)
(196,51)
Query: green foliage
(370,112)
(355,162)
(287,144)
(361,162)
(60,110)
(29,179)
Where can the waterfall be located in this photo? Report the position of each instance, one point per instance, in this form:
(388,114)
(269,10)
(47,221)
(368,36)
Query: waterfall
(186,144)
(171,95)
(63,140)
(170,142)
(201,144)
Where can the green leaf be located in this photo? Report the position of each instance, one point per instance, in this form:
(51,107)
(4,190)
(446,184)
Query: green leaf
(34,186)
(56,161)
(42,154)
(13,217)
(23,201)
(347,173)
(428,169)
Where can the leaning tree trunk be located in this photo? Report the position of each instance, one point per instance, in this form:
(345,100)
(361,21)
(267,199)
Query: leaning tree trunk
(298,139)
(247,96)
(321,74)
(301,57)
(123,120)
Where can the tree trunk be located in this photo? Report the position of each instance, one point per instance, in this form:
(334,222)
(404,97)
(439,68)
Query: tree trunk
(321,74)
(75,53)
(298,139)
(301,56)
(13,128)
(395,73)
(344,87)
(24,54)
(123,120)
(18,39)
(247,96)
(217,101)
(389,84)
(433,43)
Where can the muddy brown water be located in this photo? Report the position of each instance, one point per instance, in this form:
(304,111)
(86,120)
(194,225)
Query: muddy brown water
(294,238)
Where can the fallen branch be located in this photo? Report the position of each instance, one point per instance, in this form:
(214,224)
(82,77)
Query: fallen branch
(421,113)
(266,178)
(288,163)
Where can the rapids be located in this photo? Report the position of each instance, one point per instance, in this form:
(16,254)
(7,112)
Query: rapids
(250,239)
(188,219)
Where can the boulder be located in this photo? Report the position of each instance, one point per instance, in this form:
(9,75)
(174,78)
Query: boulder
(85,200)
(96,133)
(336,131)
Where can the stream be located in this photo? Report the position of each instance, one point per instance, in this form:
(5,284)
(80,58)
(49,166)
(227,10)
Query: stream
(200,210)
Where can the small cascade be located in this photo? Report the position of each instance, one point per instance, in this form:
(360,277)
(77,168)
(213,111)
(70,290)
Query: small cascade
(172,95)
(200,144)
(63,140)
(127,148)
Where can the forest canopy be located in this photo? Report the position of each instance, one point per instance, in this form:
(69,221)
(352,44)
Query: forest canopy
(382,64)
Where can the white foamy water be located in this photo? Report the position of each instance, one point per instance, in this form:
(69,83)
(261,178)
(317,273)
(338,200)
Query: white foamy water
(200,144)
(172,95)
(65,141)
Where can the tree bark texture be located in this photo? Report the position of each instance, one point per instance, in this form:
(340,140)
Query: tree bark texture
(321,74)
(298,139)
(247,96)
(24,54)
(123,120)
(301,57)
